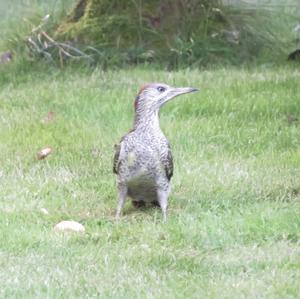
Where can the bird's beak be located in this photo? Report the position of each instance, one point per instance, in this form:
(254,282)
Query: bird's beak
(174,92)
(182,90)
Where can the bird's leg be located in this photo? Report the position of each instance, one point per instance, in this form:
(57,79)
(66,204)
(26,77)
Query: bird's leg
(121,199)
(162,196)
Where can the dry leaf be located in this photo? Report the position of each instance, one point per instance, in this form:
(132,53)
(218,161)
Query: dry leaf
(44,153)
(291,118)
(49,118)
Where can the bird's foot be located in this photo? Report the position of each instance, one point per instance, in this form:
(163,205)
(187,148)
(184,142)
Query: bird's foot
(155,203)
(138,203)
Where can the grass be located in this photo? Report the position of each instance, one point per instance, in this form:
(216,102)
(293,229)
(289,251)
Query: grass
(233,228)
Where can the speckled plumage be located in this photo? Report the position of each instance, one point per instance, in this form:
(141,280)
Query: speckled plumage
(143,160)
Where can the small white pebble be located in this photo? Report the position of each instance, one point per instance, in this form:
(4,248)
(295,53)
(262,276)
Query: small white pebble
(69,226)
(44,211)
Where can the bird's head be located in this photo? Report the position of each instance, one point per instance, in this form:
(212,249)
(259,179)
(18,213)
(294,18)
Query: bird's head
(152,96)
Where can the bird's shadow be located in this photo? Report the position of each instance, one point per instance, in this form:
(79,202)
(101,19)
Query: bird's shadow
(132,209)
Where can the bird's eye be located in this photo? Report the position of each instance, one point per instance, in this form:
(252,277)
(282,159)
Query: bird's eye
(161,88)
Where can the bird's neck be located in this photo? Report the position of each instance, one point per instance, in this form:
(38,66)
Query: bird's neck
(146,121)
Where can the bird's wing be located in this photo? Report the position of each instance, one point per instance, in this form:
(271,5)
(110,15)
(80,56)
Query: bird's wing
(116,158)
(118,152)
(168,163)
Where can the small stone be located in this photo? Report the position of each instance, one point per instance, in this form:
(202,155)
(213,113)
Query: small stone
(44,211)
(6,57)
(69,226)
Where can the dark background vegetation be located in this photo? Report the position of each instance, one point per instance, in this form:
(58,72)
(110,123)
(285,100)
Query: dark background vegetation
(171,34)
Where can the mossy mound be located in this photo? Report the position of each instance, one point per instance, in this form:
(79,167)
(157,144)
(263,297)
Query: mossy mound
(142,30)
(172,33)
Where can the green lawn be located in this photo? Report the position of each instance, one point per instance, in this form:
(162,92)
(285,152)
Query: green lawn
(234,216)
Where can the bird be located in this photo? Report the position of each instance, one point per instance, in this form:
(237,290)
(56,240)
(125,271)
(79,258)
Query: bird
(143,160)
